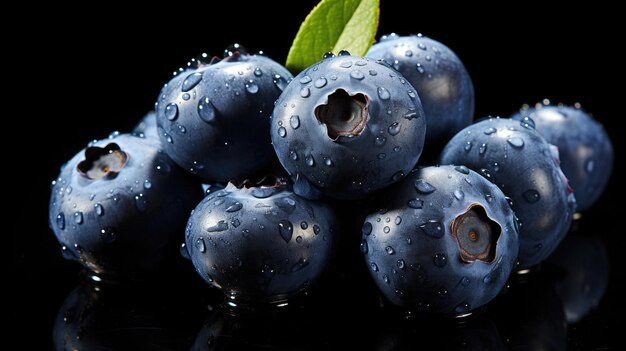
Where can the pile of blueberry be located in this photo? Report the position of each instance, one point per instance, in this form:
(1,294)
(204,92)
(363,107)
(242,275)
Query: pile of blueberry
(249,166)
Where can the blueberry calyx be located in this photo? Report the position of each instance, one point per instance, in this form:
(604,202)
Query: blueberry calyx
(343,114)
(476,234)
(267,181)
(104,162)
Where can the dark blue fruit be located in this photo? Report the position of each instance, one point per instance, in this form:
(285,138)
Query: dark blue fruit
(441,81)
(117,205)
(525,166)
(444,240)
(348,126)
(213,118)
(585,149)
(260,244)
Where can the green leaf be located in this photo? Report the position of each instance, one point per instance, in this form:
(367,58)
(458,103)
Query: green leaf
(334,25)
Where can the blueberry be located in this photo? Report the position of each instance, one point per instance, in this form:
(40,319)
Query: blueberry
(441,81)
(259,244)
(443,241)
(209,113)
(117,205)
(585,149)
(525,166)
(347,126)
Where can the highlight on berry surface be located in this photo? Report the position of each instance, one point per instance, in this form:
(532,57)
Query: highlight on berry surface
(332,26)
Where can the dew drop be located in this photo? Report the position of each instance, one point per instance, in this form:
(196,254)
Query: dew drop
(433,229)
(316,229)
(490,130)
(305,80)
(219,227)
(293,155)
(61,221)
(310,161)
(398,220)
(305,92)
(459,194)
(416,204)
(357,74)
(589,165)
(394,128)
(294,121)
(390,250)
(424,187)
(420,68)
(531,196)
(374,266)
(383,93)
(482,149)
(400,264)
(99,209)
(285,229)
(171,111)
(186,96)
(191,81)
(200,245)
(468,146)
(206,110)
(258,72)
(78,217)
(516,142)
(282,132)
(147,184)
(251,87)
(380,141)
(280,82)
(462,169)
(397,176)
(345,64)
(320,82)
(234,207)
(386,230)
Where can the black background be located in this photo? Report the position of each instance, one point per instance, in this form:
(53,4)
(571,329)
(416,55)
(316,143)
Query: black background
(101,70)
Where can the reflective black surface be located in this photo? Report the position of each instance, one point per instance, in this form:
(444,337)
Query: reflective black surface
(104,73)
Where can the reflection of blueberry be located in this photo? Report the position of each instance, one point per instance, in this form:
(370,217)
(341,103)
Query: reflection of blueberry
(259,244)
(584,146)
(123,317)
(582,274)
(529,316)
(444,240)
(517,159)
(213,118)
(441,81)
(347,126)
(473,334)
(108,204)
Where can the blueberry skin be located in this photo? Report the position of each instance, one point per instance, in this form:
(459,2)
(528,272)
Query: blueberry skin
(348,126)
(525,166)
(125,224)
(209,115)
(585,149)
(442,83)
(259,245)
(412,253)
